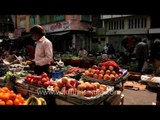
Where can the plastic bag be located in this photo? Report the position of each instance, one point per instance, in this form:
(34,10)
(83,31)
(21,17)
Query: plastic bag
(145,66)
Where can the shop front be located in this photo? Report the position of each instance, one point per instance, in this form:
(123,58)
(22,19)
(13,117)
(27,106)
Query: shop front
(67,34)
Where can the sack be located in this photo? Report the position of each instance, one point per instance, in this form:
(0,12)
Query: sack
(145,66)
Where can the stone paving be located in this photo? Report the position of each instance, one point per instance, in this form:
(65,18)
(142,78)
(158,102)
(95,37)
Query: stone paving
(146,97)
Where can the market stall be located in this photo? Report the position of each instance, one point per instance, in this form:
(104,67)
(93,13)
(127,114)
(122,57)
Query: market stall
(68,83)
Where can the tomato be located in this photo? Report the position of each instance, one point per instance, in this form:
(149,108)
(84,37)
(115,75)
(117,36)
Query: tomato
(44,80)
(12,96)
(18,95)
(9,102)
(29,76)
(11,92)
(5,97)
(1,95)
(2,91)
(5,89)
(44,75)
(37,77)
(16,101)
(2,103)
(47,78)
(21,100)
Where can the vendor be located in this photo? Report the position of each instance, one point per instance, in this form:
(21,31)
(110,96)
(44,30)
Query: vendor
(43,51)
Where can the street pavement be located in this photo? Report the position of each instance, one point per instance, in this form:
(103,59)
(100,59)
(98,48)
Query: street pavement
(145,97)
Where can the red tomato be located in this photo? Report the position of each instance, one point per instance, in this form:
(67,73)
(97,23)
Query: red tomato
(44,75)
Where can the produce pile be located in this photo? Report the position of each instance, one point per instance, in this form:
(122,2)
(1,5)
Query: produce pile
(16,68)
(32,100)
(74,72)
(9,76)
(109,71)
(8,97)
(41,80)
(67,86)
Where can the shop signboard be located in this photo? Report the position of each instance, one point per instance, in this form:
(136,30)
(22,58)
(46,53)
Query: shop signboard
(17,33)
(59,26)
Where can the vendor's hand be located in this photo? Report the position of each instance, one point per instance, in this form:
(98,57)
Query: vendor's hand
(31,62)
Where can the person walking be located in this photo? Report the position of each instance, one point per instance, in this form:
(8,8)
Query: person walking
(141,51)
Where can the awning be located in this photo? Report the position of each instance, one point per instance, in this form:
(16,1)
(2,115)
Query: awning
(154,30)
(60,33)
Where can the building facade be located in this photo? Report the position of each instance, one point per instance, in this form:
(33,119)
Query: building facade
(6,26)
(62,30)
(116,27)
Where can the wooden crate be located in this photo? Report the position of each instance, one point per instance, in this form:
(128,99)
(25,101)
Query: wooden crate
(62,102)
(116,99)
(24,92)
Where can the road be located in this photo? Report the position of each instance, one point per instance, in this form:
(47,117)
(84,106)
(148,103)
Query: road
(132,97)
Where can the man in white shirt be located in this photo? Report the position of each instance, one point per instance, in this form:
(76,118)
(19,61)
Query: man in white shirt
(43,51)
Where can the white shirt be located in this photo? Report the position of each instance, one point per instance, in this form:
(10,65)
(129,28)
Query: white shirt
(43,52)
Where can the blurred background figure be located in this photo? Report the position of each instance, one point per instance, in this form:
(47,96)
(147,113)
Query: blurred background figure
(141,51)
(30,50)
(111,50)
(155,56)
(82,53)
(106,48)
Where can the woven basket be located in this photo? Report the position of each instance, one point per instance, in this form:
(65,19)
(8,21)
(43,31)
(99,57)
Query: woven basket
(21,90)
(12,59)
(106,82)
(23,85)
(87,100)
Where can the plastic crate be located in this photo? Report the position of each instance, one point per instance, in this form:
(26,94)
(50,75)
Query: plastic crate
(58,74)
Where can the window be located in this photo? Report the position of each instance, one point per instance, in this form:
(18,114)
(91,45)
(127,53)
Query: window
(43,19)
(86,18)
(145,22)
(32,20)
(122,22)
(142,23)
(116,24)
(109,24)
(135,23)
(22,23)
(0,27)
(51,19)
(138,22)
(129,23)
(59,17)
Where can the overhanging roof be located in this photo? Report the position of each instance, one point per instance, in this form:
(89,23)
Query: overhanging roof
(154,30)
(60,33)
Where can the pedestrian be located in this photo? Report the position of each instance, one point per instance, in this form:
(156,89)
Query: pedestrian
(155,56)
(106,48)
(43,51)
(111,50)
(141,51)
(82,52)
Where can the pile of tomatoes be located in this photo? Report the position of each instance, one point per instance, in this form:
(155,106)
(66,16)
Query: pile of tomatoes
(8,97)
